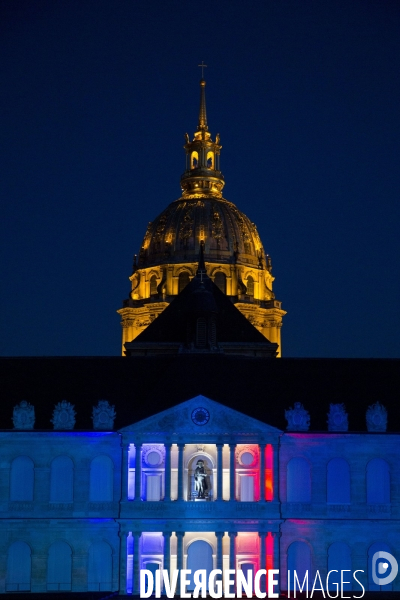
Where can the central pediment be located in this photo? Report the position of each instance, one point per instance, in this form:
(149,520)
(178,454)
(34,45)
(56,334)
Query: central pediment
(200,418)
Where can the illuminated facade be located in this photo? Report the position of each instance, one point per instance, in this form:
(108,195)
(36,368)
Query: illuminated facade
(85,511)
(233,252)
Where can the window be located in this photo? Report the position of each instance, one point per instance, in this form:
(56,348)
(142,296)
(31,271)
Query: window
(339,559)
(298,480)
(338,481)
(18,578)
(201,332)
(250,286)
(22,479)
(210,160)
(100,567)
(153,285)
(247,488)
(220,281)
(378,482)
(61,480)
(59,567)
(194,160)
(299,560)
(183,280)
(101,479)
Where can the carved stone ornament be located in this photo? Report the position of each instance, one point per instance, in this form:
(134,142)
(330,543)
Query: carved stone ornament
(153,455)
(376,417)
(103,415)
(23,415)
(337,418)
(298,418)
(63,415)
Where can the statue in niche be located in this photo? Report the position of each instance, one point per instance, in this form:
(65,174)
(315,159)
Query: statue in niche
(200,479)
(298,418)
(63,415)
(376,417)
(103,415)
(337,418)
(23,415)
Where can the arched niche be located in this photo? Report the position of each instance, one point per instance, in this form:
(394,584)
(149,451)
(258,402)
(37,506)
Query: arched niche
(298,478)
(378,482)
(299,560)
(209,467)
(100,567)
(338,481)
(199,556)
(18,577)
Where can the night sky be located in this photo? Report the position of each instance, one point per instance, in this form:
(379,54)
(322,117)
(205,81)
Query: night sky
(95,99)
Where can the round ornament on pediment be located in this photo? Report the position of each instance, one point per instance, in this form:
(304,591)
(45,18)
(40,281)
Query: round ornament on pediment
(153,457)
(247,457)
(200,416)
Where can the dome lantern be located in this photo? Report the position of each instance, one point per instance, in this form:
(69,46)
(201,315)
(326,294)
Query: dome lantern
(202,176)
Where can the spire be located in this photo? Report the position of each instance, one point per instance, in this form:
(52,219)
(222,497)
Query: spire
(201,269)
(202,126)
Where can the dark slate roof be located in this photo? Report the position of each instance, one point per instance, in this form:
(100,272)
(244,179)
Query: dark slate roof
(142,386)
(201,295)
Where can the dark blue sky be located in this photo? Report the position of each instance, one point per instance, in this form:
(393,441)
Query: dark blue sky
(95,98)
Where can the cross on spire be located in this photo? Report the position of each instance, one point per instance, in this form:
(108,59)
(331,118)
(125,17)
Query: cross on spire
(202,68)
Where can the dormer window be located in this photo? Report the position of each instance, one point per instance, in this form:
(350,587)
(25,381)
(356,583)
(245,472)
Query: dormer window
(153,285)
(250,286)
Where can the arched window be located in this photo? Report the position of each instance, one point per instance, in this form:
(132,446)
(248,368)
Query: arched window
(183,280)
(298,480)
(153,285)
(372,586)
(101,479)
(62,480)
(250,286)
(210,160)
(220,281)
(22,479)
(100,567)
(59,567)
(18,578)
(339,559)
(194,160)
(378,482)
(338,481)
(201,332)
(299,560)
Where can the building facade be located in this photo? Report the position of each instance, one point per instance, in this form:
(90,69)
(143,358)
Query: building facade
(197,486)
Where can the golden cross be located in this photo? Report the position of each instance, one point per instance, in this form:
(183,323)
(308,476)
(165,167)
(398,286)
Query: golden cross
(202,68)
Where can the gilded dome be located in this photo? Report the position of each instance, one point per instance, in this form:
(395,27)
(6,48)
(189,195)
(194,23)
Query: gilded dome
(175,235)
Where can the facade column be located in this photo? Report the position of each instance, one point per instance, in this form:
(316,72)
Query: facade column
(275,474)
(180,471)
(179,559)
(262,536)
(232,555)
(276,537)
(122,561)
(136,562)
(219,535)
(167,551)
(232,476)
(220,470)
(262,473)
(138,471)
(167,494)
(125,470)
